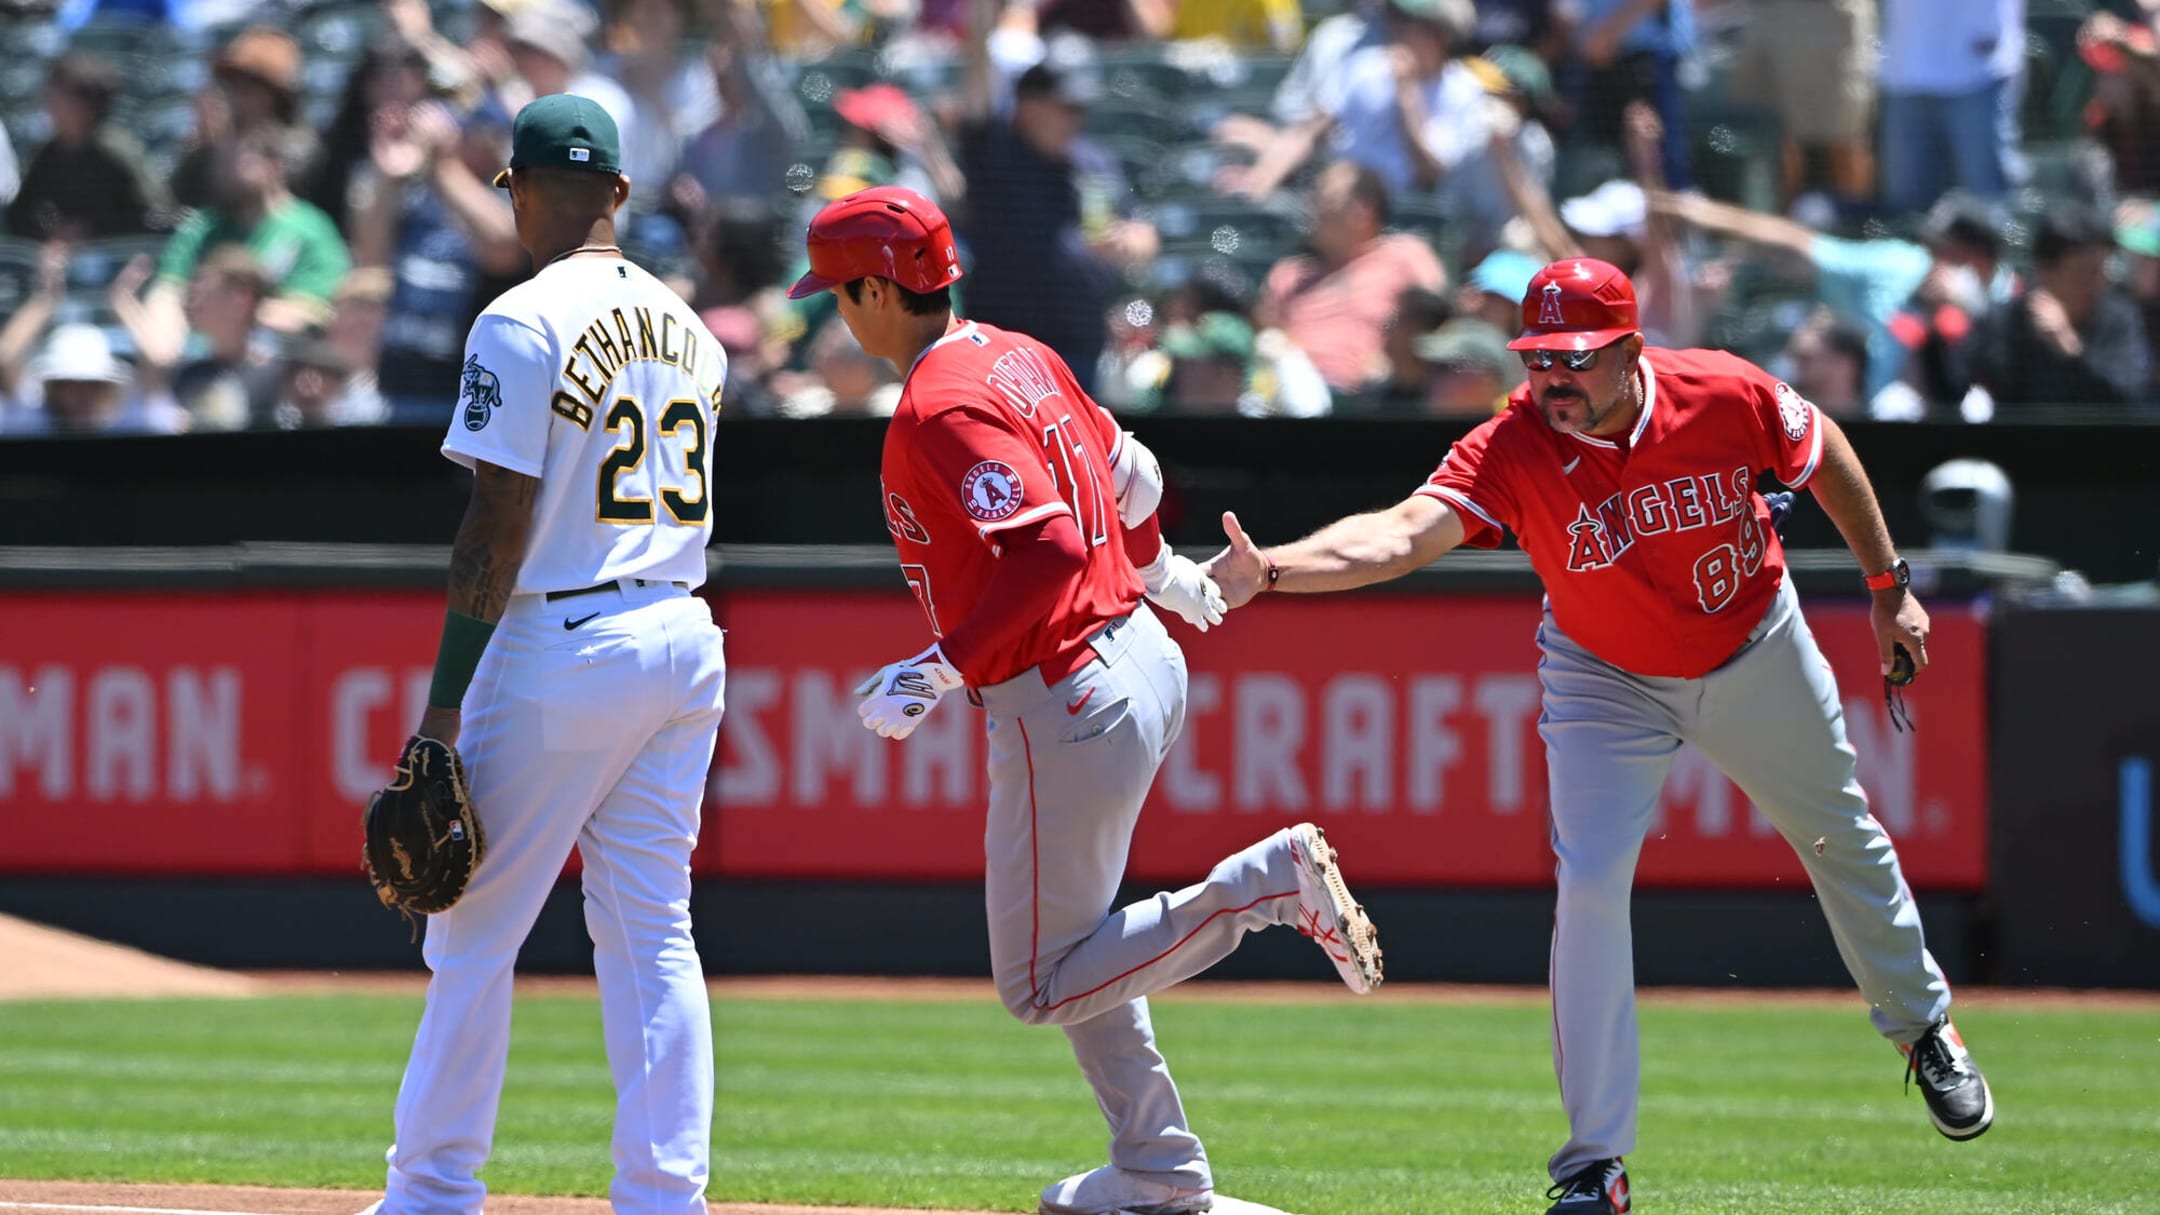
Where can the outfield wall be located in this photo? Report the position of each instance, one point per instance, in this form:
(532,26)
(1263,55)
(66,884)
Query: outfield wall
(187,772)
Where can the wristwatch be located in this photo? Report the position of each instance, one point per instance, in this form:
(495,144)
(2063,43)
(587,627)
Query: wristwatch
(1899,575)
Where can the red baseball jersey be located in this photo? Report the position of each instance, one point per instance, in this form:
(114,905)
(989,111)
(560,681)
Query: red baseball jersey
(993,433)
(1656,552)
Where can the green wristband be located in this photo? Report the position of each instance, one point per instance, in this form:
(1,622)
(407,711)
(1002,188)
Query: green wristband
(464,639)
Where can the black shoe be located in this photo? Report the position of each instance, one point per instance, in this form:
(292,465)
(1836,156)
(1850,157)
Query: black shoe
(1597,1188)
(1957,1094)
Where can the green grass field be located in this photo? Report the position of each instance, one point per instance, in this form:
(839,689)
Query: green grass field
(1332,1108)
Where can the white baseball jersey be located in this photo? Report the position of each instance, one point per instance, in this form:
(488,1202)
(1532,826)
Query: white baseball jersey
(596,378)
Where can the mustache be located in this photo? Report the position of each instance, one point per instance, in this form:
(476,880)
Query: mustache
(1564,394)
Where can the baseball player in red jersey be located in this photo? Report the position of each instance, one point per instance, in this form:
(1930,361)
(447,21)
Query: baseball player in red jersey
(1628,476)
(1024,520)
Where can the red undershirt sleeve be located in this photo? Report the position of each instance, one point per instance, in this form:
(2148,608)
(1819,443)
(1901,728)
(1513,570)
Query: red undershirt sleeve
(1144,542)
(1036,563)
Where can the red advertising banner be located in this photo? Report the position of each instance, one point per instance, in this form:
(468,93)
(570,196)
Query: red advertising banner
(240,733)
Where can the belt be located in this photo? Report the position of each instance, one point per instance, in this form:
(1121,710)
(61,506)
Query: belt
(611,584)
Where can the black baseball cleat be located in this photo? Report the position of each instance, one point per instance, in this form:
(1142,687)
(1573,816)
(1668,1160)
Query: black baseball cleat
(1597,1188)
(1957,1096)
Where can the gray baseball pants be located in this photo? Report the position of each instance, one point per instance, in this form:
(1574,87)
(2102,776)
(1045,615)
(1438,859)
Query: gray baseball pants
(1770,719)
(1070,765)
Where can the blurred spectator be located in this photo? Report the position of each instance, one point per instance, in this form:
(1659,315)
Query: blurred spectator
(740,252)
(1208,368)
(745,151)
(297,245)
(550,41)
(423,210)
(1542,26)
(2073,338)
(1951,78)
(1105,20)
(1614,223)
(1317,70)
(211,355)
(1941,327)
(1418,311)
(1631,50)
(355,336)
(10,169)
(841,381)
(1334,303)
(1215,364)
(89,180)
(2125,108)
(1048,214)
(2137,234)
(391,76)
(1828,364)
(675,93)
(76,386)
(1873,283)
(1408,109)
(750,356)
(1258,24)
(318,386)
(255,82)
(1813,62)
(73,385)
(1472,370)
(1492,292)
(808,29)
(886,139)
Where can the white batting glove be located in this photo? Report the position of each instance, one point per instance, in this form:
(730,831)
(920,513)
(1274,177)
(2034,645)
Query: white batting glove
(1179,584)
(899,696)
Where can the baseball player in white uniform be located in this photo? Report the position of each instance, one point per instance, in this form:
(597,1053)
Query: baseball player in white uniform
(579,677)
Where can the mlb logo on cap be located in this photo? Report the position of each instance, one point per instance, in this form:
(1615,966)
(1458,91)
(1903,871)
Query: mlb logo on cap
(581,155)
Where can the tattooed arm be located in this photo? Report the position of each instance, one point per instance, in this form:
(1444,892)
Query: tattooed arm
(484,564)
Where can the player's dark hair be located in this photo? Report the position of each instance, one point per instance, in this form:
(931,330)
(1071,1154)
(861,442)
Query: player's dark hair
(2066,228)
(914,303)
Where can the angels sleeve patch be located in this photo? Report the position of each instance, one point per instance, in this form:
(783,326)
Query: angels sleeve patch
(480,391)
(1794,413)
(990,491)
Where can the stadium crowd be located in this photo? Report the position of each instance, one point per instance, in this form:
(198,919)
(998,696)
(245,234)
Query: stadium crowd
(223,214)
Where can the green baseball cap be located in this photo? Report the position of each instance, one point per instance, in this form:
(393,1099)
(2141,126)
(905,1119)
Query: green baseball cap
(563,131)
(1217,335)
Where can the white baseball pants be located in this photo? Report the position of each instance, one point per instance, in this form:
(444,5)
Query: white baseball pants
(589,723)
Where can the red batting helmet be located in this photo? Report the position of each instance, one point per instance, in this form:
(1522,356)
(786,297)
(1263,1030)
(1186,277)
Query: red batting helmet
(885,231)
(1578,304)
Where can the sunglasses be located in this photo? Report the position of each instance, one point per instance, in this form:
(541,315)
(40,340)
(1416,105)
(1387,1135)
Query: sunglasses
(1573,360)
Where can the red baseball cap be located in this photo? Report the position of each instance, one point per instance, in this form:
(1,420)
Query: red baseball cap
(1578,304)
(872,104)
(887,231)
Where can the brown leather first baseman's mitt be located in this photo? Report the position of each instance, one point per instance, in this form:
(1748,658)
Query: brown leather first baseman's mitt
(423,835)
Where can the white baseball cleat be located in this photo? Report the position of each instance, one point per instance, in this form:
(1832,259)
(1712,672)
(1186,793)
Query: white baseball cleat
(1111,1190)
(373,1208)
(1327,913)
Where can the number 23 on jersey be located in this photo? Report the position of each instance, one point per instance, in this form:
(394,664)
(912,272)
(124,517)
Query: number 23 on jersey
(669,458)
